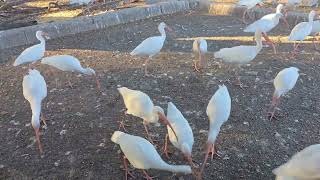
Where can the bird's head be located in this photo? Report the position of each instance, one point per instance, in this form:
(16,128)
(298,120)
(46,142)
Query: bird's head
(186,150)
(159,112)
(116,136)
(40,34)
(163,26)
(89,71)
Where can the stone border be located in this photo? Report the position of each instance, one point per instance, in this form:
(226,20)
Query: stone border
(26,35)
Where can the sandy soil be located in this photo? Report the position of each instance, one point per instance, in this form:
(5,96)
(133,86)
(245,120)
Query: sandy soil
(81,120)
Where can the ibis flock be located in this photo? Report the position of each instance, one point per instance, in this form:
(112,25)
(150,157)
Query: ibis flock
(142,153)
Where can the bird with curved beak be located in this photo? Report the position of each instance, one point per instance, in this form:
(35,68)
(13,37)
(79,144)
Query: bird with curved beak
(34,91)
(140,105)
(218,111)
(151,46)
(183,130)
(200,47)
(71,64)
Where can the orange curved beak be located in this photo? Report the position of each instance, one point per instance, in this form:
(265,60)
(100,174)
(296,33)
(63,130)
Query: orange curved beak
(46,35)
(163,119)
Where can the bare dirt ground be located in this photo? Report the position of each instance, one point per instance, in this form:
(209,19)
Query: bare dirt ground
(81,120)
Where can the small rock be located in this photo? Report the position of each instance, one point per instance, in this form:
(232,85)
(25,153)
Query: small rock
(79,114)
(246,123)
(67,153)
(1,166)
(63,132)
(57,163)
(202,131)
(101,144)
(60,104)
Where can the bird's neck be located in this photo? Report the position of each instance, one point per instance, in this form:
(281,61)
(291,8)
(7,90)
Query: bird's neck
(175,168)
(214,130)
(311,19)
(41,39)
(163,33)
(36,110)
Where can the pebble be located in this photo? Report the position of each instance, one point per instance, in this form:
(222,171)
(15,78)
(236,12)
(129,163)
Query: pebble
(63,132)
(1,166)
(57,163)
(246,123)
(203,131)
(67,153)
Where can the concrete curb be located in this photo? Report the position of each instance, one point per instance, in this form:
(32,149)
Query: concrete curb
(26,35)
(235,10)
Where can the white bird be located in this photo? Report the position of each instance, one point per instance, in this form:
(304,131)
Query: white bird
(284,81)
(69,63)
(33,53)
(266,24)
(183,130)
(240,54)
(151,46)
(218,111)
(304,165)
(142,155)
(140,105)
(81,2)
(34,91)
(200,47)
(315,31)
(301,31)
(249,4)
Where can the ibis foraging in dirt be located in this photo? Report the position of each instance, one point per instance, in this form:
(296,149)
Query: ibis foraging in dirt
(200,49)
(240,54)
(301,31)
(184,133)
(284,81)
(33,53)
(34,91)
(71,64)
(151,46)
(249,4)
(267,23)
(140,105)
(304,165)
(218,111)
(142,155)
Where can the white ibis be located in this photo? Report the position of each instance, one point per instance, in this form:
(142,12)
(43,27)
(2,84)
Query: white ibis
(35,90)
(240,54)
(69,63)
(151,46)
(142,155)
(283,83)
(33,53)
(304,165)
(140,105)
(315,31)
(249,4)
(183,130)
(266,24)
(200,48)
(301,31)
(218,111)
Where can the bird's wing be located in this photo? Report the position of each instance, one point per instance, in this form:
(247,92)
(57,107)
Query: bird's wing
(63,62)
(33,53)
(304,164)
(180,126)
(140,152)
(237,54)
(34,86)
(264,25)
(149,46)
(138,104)
(300,31)
(219,106)
(286,80)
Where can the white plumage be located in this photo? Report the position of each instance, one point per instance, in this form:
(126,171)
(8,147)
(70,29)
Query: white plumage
(285,80)
(142,154)
(218,111)
(303,165)
(249,3)
(140,105)
(69,63)
(283,83)
(200,47)
(303,29)
(240,54)
(152,45)
(81,2)
(267,22)
(183,130)
(315,27)
(34,91)
(33,53)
